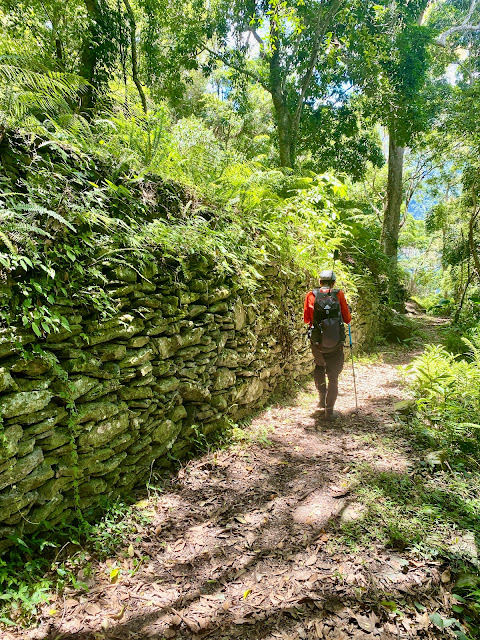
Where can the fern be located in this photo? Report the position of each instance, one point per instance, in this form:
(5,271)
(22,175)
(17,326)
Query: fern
(27,91)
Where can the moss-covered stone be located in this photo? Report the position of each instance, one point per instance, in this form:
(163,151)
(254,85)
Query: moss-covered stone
(248,392)
(14,500)
(102,432)
(136,393)
(165,385)
(138,341)
(6,380)
(136,357)
(166,432)
(193,392)
(107,352)
(17,404)
(9,441)
(224,378)
(30,367)
(97,411)
(36,478)
(124,326)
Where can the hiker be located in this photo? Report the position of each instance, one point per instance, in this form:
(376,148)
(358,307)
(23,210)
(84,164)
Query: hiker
(325,311)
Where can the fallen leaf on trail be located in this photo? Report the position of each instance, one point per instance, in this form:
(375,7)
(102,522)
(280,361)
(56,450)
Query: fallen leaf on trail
(114,575)
(70,602)
(176,620)
(105,624)
(92,609)
(423,620)
(142,504)
(226,605)
(119,615)
(311,560)
(131,551)
(247,593)
(192,624)
(169,633)
(367,623)
(240,519)
(204,623)
(302,576)
(158,530)
(446,576)
(390,628)
(250,537)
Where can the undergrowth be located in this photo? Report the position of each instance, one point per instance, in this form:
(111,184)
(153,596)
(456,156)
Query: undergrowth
(34,572)
(62,241)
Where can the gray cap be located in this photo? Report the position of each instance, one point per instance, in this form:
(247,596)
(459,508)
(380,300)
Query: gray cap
(328,275)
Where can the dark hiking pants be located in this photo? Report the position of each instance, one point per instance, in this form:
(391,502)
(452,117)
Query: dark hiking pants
(327,365)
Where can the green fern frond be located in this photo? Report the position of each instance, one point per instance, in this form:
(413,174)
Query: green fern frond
(26,90)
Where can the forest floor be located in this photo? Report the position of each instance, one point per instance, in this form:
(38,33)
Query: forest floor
(285,533)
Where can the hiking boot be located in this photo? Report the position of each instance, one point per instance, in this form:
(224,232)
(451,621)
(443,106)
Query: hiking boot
(330,414)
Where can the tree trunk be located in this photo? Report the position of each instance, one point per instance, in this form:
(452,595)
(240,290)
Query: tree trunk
(285,142)
(133,46)
(88,60)
(282,114)
(391,218)
(471,239)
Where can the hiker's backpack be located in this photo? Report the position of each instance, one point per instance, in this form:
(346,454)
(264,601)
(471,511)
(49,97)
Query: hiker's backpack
(328,330)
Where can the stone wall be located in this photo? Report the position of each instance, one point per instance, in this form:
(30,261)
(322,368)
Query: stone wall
(87,412)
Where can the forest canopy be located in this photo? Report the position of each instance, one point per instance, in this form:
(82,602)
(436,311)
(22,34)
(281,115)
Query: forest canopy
(245,104)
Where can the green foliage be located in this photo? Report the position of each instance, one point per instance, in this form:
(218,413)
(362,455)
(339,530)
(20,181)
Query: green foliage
(60,243)
(447,393)
(30,89)
(38,570)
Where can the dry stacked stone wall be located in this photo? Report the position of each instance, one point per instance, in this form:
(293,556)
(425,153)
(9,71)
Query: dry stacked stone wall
(86,413)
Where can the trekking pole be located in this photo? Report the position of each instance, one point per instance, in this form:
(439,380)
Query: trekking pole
(353,368)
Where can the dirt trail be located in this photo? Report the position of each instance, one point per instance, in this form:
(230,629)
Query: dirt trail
(244,542)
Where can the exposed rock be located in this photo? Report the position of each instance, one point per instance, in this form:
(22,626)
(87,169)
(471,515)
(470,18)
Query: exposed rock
(352,512)
(97,411)
(127,389)
(6,380)
(123,326)
(104,431)
(248,392)
(17,404)
(224,378)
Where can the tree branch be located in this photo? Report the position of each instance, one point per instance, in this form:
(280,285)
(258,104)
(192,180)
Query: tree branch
(334,8)
(464,26)
(133,46)
(239,68)
(260,42)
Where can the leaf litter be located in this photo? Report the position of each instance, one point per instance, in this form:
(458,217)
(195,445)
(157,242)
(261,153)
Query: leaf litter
(242,543)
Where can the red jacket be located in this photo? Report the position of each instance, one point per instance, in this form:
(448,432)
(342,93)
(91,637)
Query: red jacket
(308,308)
